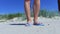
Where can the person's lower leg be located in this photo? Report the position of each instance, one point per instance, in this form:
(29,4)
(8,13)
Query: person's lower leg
(59,7)
(36,10)
(27,10)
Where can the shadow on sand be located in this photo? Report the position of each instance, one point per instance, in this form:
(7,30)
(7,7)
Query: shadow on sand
(18,24)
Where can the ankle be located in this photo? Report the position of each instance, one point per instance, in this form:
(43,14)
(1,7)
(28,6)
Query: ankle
(35,20)
(30,20)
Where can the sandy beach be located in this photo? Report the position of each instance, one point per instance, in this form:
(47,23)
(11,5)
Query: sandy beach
(51,26)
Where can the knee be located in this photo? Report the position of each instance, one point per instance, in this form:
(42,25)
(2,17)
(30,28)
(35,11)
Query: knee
(36,1)
(27,0)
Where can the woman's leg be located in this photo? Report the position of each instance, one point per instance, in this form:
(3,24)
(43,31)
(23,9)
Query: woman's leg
(27,10)
(36,10)
(59,5)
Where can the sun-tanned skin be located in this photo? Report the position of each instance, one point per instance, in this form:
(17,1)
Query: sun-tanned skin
(36,9)
(59,5)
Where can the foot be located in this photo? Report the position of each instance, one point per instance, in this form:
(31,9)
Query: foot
(29,23)
(37,23)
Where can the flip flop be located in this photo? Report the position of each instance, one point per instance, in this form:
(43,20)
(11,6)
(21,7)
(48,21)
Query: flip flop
(28,24)
(38,24)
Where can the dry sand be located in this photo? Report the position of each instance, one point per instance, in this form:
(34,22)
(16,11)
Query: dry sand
(52,26)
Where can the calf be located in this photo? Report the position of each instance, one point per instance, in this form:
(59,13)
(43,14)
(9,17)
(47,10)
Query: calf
(59,5)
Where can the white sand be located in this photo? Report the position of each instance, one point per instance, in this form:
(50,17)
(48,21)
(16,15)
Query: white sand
(52,26)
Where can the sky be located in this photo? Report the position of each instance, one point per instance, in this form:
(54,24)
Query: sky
(15,6)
